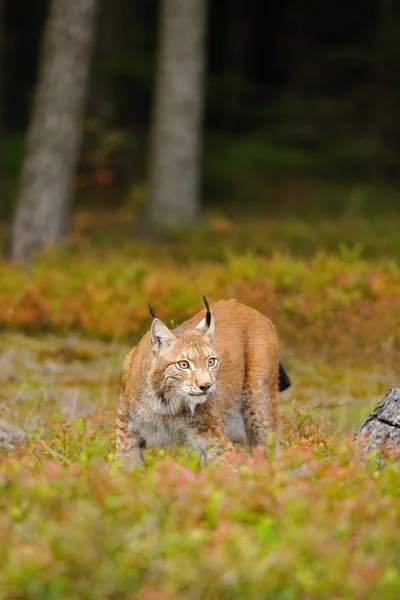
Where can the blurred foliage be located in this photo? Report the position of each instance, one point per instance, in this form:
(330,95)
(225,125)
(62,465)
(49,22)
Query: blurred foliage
(320,522)
(253,171)
(103,290)
(73,527)
(104,156)
(276,177)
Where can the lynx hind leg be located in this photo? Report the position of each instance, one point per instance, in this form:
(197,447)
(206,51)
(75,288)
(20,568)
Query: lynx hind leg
(128,443)
(259,406)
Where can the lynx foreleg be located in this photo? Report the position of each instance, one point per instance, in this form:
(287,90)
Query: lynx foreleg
(205,436)
(128,442)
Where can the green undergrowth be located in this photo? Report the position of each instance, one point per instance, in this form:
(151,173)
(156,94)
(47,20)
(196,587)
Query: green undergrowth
(331,305)
(317,522)
(233,229)
(73,526)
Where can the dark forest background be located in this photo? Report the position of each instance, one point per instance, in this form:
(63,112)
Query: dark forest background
(301,111)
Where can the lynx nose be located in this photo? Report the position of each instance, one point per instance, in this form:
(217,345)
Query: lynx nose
(205,386)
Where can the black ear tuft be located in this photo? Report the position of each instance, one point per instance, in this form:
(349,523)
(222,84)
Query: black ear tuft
(208,315)
(205,302)
(152,312)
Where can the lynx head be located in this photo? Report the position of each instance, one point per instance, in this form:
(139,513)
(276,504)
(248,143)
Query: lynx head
(185,367)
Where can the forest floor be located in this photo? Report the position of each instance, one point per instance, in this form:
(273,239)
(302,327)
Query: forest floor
(72,526)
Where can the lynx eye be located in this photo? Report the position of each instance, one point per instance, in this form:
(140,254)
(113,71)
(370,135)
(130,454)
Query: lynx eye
(211,362)
(183,364)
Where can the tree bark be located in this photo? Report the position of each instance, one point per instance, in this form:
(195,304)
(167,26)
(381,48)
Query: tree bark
(173,196)
(53,140)
(382,426)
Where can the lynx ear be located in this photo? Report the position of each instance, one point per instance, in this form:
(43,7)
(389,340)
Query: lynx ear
(207,325)
(161,337)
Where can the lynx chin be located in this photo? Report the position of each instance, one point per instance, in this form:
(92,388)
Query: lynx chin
(208,383)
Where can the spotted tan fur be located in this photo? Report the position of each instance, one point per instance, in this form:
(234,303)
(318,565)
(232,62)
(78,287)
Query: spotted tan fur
(206,406)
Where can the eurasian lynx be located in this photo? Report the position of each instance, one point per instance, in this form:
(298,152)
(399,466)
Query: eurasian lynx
(208,383)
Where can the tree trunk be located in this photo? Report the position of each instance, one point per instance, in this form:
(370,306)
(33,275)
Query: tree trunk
(173,197)
(382,426)
(53,140)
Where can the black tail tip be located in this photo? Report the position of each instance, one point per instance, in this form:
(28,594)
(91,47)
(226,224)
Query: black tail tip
(152,312)
(284,381)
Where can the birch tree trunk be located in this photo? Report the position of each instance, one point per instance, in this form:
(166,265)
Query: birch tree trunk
(53,140)
(173,196)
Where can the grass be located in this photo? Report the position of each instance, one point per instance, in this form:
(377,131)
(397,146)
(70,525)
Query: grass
(322,522)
